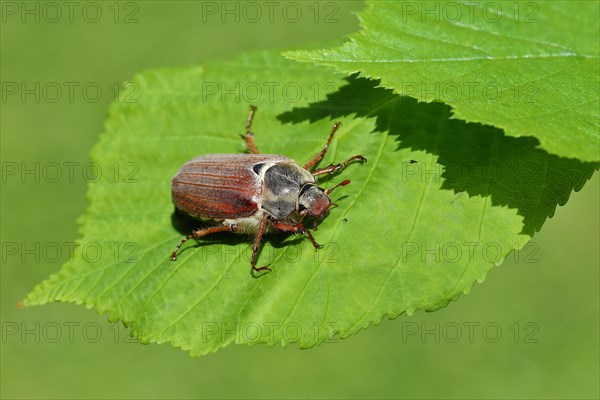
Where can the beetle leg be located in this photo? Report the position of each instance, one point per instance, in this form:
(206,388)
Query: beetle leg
(336,167)
(298,228)
(198,234)
(316,245)
(249,137)
(315,160)
(257,240)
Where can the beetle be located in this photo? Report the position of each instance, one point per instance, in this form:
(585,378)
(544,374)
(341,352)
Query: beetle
(254,193)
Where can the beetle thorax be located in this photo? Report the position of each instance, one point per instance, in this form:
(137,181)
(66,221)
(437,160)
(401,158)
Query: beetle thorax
(281,186)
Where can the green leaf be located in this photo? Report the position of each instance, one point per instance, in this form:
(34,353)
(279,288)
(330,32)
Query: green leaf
(439,202)
(529,68)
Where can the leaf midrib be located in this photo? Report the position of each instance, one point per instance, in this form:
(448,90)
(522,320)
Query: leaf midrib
(459,59)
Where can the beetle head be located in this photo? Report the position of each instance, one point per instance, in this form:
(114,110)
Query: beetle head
(313,201)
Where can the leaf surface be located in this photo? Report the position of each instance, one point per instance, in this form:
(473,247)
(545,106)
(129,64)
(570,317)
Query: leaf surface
(529,68)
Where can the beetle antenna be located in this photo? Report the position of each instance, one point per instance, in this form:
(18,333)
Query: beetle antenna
(343,183)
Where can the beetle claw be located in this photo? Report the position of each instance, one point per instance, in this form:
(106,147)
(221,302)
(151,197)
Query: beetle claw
(264,268)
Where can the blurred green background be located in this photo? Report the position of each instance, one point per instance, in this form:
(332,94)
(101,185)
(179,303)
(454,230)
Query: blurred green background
(530,331)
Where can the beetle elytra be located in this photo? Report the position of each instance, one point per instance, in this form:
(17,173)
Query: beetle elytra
(254,193)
